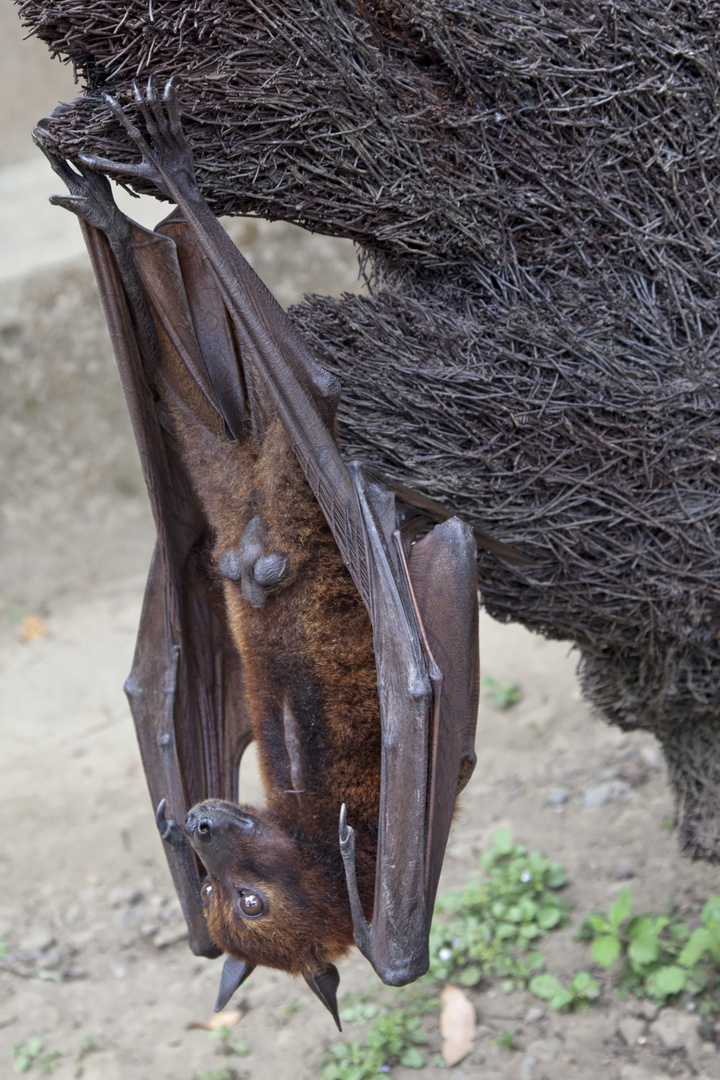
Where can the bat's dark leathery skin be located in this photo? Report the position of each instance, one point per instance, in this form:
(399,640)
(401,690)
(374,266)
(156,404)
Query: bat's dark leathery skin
(234,974)
(286,602)
(325,985)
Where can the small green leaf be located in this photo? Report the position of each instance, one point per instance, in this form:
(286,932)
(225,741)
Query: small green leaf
(585,986)
(556,877)
(412,1058)
(666,981)
(546,986)
(698,944)
(502,842)
(605,951)
(549,917)
(560,1001)
(711,910)
(470,976)
(535,961)
(644,948)
(622,907)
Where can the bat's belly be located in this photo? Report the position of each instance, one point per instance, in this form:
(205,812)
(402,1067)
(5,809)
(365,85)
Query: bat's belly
(301,629)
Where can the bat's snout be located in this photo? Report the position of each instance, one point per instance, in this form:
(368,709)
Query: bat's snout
(211,820)
(199,826)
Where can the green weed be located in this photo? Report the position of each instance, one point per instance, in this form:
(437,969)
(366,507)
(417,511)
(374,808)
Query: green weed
(506,1040)
(86,1047)
(492,927)
(11,614)
(30,1053)
(227,1045)
(581,992)
(216,1074)
(660,957)
(503,694)
(394,1037)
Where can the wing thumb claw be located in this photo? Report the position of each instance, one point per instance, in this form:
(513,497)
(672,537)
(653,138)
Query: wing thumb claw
(165,827)
(344,830)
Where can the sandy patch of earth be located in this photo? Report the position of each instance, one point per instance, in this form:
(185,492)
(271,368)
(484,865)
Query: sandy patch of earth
(96,938)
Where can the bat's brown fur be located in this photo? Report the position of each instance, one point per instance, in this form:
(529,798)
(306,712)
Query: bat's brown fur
(308,650)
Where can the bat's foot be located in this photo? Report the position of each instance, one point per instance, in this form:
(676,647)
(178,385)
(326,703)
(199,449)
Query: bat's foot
(166,155)
(90,193)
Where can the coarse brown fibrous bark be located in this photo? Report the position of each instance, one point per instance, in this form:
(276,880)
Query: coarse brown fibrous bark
(535,192)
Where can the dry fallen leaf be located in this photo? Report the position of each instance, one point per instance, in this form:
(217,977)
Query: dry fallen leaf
(457,1025)
(227,1018)
(31,628)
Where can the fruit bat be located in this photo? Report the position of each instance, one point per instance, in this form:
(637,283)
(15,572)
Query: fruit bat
(292,598)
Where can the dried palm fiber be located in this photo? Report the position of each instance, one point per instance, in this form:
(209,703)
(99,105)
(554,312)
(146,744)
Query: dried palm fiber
(534,188)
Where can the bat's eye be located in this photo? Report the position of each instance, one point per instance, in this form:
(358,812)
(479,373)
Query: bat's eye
(205,892)
(251,904)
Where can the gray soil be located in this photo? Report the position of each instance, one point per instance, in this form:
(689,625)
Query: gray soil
(95,937)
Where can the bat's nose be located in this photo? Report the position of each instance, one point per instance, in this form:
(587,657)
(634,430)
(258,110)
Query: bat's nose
(215,819)
(199,825)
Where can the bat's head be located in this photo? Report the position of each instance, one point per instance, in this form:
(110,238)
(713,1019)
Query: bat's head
(271,897)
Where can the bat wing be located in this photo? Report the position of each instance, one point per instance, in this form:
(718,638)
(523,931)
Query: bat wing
(424,613)
(186,686)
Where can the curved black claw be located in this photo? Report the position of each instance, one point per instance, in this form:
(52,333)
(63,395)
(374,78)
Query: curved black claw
(165,153)
(90,195)
(344,830)
(361,928)
(165,828)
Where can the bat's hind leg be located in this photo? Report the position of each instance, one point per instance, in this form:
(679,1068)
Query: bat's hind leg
(167,157)
(90,195)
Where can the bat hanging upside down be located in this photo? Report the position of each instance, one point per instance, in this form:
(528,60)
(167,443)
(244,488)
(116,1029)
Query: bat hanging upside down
(288,601)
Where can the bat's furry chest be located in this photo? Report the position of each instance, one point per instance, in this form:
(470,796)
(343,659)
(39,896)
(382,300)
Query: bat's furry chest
(307,652)
(311,690)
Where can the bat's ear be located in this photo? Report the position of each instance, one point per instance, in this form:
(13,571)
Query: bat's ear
(324,985)
(234,974)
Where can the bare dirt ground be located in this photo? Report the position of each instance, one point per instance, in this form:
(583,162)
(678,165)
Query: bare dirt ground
(96,950)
